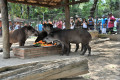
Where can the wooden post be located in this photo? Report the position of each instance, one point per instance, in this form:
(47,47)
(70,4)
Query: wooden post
(118,30)
(67,15)
(5,29)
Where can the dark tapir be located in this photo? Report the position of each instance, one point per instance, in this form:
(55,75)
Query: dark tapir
(21,35)
(41,36)
(47,28)
(71,36)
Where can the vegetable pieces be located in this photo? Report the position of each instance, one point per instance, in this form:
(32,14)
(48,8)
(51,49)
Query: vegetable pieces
(41,43)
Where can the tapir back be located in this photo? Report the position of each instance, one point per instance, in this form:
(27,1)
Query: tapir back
(73,36)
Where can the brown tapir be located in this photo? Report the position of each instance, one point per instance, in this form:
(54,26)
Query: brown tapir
(21,35)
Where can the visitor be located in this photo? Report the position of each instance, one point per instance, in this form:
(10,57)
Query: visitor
(54,23)
(44,22)
(40,26)
(118,26)
(104,25)
(84,24)
(30,24)
(98,26)
(111,21)
(71,23)
(59,24)
(13,25)
(49,21)
(63,27)
(25,24)
(107,29)
(21,24)
(10,27)
(90,23)
(0,30)
(17,26)
(78,23)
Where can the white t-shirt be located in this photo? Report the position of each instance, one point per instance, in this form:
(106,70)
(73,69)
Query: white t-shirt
(84,25)
(17,26)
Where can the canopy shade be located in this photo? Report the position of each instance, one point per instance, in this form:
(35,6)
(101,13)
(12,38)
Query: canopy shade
(44,3)
(48,3)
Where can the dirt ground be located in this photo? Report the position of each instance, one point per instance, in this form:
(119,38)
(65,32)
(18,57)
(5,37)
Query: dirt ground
(104,63)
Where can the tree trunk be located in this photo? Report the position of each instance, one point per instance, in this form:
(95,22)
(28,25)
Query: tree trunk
(118,30)
(92,11)
(28,11)
(5,29)
(67,15)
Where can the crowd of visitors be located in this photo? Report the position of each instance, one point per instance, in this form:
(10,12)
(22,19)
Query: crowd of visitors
(108,24)
(105,25)
(78,23)
(17,25)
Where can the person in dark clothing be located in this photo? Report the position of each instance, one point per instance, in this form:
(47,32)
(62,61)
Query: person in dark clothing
(72,23)
(90,23)
(78,23)
(118,26)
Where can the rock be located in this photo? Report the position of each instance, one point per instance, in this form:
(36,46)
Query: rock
(114,37)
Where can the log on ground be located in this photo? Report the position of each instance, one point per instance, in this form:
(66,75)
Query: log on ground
(46,70)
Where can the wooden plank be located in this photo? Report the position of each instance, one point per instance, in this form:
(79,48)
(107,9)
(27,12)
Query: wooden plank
(5,29)
(47,70)
(34,4)
(58,3)
(70,3)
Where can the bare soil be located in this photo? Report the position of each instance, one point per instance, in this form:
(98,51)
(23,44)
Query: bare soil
(105,63)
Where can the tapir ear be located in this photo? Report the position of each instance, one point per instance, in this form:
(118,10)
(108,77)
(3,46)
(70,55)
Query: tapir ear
(29,27)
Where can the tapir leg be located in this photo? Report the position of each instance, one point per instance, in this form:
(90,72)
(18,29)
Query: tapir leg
(85,49)
(82,47)
(21,43)
(10,44)
(63,49)
(67,46)
(77,47)
(89,49)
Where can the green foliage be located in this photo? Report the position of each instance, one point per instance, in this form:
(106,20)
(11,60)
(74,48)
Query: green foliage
(82,10)
(86,9)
